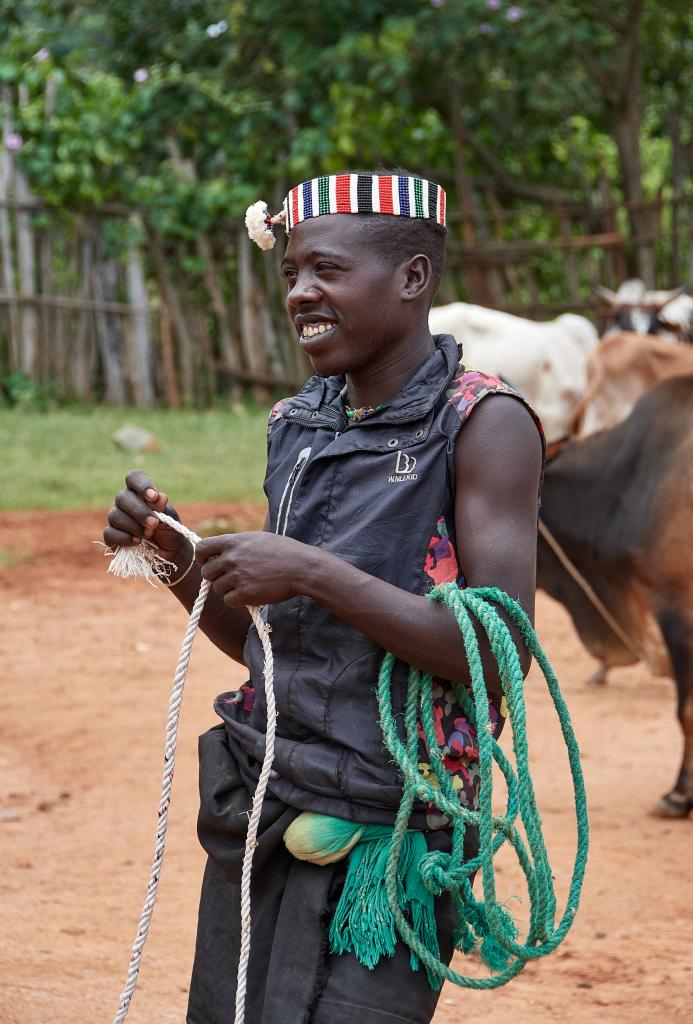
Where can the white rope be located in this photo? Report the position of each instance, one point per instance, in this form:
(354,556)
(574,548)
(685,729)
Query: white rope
(251,841)
(136,561)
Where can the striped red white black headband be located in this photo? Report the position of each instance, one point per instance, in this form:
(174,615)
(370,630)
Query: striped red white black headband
(395,194)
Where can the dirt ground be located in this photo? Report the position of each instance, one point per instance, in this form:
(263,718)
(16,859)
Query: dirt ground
(86,668)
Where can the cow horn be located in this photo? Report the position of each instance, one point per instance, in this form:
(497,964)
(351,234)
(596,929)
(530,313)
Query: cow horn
(606,293)
(670,296)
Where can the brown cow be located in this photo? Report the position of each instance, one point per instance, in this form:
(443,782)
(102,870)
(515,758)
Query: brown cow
(622,369)
(620,504)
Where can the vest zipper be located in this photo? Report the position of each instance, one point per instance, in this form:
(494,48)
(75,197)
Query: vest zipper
(289,489)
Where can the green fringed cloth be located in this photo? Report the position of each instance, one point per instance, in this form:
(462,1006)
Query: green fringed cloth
(363,923)
(392,877)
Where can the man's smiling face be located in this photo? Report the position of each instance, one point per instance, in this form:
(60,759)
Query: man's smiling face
(344,299)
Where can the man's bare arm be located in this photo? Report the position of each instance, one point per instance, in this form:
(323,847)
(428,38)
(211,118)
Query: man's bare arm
(498,466)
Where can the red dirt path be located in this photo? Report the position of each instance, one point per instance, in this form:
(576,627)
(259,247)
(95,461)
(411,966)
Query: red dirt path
(87,662)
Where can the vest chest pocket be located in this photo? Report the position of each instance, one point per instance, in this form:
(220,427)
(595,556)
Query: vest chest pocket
(289,490)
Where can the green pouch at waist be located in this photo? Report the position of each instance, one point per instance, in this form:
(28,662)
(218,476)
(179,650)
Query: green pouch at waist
(363,923)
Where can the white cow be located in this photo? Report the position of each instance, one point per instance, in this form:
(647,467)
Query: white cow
(545,361)
(634,308)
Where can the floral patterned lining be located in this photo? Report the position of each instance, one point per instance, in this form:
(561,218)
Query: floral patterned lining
(456,737)
(275,413)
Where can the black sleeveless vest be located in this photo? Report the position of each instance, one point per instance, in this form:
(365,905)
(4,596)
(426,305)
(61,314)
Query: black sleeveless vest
(372,495)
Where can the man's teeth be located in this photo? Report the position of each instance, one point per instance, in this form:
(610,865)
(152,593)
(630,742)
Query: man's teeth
(310,330)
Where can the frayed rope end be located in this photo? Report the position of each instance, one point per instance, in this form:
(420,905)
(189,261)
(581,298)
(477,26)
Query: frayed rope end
(141,559)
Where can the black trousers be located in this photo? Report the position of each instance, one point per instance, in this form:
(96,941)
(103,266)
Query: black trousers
(292,977)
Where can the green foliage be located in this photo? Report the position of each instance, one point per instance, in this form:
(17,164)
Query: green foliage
(82,154)
(288,90)
(66,458)
(191,110)
(21,392)
(284,91)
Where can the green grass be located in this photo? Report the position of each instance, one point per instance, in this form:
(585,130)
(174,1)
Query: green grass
(9,559)
(66,458)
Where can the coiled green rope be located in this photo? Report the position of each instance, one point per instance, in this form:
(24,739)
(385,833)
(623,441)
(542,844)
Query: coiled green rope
(485,922)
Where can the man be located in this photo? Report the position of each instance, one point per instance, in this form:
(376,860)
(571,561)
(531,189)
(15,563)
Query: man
(375,493)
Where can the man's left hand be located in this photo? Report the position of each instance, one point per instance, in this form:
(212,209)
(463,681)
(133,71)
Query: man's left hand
(254,568)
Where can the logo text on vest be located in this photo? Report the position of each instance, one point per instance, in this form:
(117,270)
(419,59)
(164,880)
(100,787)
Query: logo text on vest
(404,469)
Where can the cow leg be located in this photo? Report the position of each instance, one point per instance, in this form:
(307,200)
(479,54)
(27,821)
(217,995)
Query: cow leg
(678,635)
(598,677)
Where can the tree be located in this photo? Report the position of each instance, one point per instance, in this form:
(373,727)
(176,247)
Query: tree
(188,112)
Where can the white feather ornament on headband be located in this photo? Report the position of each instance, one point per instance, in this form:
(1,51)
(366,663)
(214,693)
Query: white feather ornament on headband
(259,224)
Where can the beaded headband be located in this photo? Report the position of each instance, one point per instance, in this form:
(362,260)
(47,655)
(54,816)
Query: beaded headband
(396,194)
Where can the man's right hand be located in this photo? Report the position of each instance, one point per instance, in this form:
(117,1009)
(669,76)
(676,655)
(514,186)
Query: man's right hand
(131,520)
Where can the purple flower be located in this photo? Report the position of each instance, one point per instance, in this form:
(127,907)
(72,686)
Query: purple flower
(484,28)
(437,3)
(215,30)
(43,54)
(141,75)
(13,140)
(494,5)
(514,13)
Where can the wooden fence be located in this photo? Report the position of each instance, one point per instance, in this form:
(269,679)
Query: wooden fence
(579,247)
(95,305)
